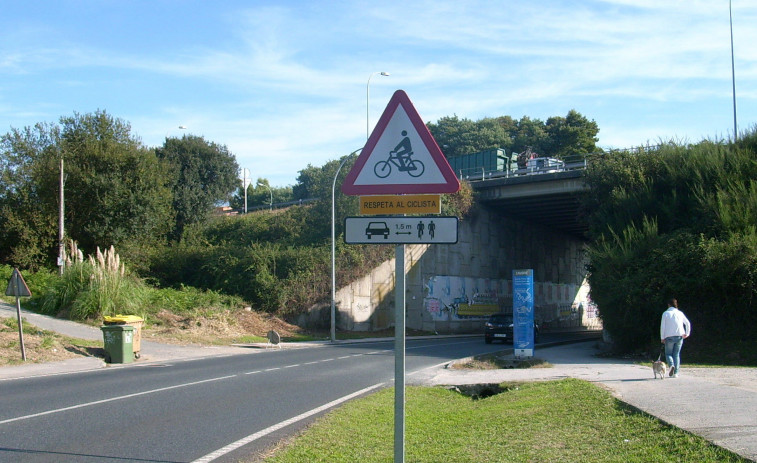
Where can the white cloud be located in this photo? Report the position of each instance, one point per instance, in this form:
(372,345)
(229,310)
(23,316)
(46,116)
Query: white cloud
(284,85)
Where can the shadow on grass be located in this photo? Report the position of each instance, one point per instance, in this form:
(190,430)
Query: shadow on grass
(87,351)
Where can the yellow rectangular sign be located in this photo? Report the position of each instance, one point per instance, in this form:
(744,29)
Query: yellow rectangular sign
(477,310)
(400,204)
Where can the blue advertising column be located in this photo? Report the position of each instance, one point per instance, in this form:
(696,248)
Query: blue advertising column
(523,313)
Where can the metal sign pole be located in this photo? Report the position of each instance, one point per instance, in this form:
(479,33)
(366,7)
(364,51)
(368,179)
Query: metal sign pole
(399,354)
(20,328)
(17,287)
(428,172)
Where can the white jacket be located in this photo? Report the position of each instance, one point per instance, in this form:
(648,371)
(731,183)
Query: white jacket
(674,323)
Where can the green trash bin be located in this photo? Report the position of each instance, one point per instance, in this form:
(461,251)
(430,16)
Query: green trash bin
(131,320)
(119,343)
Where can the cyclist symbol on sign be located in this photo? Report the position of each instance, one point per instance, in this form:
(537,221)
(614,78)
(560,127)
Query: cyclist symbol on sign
(400,158)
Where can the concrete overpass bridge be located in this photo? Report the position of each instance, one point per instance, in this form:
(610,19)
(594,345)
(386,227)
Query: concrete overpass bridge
(549,199)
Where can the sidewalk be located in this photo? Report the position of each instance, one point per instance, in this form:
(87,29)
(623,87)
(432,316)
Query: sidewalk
(719,404)
(150,351)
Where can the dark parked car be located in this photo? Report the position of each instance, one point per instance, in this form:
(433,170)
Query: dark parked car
(500,326)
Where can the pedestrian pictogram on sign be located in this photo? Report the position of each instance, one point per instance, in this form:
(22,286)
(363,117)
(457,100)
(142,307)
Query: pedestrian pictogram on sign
(400,157)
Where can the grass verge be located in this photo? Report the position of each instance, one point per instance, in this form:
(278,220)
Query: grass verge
(568,421)
(41,345)
(500,360)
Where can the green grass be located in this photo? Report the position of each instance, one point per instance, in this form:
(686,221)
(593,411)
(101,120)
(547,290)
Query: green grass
(499,360)
(188,299)
(566,421)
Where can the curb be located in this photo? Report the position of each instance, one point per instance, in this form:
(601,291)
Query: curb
(544,345)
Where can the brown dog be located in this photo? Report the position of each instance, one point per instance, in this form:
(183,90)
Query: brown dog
(659,368)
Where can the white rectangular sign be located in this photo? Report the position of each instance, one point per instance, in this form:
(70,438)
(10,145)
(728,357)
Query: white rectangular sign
(400,230)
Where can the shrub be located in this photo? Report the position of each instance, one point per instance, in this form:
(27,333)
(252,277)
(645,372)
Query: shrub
(95,288)
(676,222)
(187,299)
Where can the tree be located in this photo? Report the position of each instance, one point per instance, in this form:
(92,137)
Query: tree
(202,174)
(317,182)
(457,136)
(571,135)
(559,137)
(29,195)
(116,189)
(529,134)
(307,182)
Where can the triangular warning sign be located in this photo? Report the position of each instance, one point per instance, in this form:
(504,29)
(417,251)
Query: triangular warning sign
(400,157)
(17,286)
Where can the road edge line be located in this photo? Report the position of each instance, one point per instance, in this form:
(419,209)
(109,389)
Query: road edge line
(253,437)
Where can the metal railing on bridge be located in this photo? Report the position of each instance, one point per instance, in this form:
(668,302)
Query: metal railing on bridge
(547,165)
(296,202)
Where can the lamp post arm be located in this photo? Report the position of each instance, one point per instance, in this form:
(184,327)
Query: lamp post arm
(368,102)
(270,190)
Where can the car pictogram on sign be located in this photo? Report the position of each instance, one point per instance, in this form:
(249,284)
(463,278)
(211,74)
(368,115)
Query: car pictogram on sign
(377,228)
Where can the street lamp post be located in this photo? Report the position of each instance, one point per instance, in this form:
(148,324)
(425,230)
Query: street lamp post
(245,184)
(270,205)
(333,246)
(367,102)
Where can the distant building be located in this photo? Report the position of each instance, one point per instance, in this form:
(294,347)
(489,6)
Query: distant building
(224,210)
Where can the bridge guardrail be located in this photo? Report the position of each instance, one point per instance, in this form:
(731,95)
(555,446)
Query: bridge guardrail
(481,174)
(570,163)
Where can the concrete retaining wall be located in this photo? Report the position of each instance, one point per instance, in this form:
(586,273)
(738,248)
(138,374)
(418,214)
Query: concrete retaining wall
(476,271)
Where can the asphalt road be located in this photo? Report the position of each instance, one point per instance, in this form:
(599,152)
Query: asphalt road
(209,409)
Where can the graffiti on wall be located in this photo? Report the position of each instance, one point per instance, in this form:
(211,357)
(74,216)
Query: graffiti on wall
(459,298)
(452,298)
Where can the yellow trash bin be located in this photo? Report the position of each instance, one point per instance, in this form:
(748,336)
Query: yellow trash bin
(129,320)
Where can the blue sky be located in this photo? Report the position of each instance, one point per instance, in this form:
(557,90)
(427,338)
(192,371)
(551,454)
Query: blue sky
(283,83)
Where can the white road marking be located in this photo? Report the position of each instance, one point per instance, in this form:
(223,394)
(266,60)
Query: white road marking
(113,399)
(253,437)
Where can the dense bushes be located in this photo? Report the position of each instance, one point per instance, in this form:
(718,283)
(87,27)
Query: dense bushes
(272,275)
(675,222)
(101,286)
(277,261)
